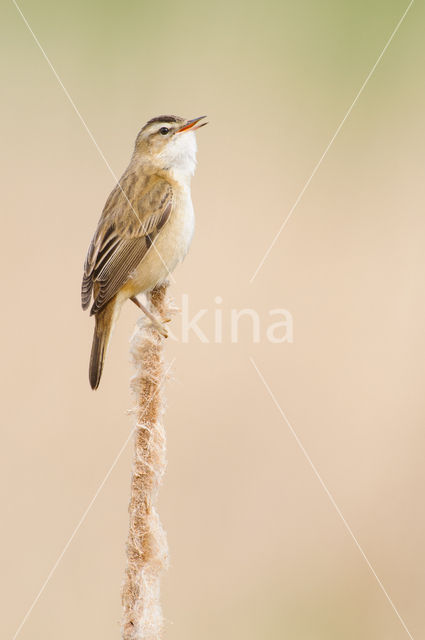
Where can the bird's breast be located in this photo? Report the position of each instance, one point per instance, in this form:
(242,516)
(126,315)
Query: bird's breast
(173,242)
(169,248)
(181,226)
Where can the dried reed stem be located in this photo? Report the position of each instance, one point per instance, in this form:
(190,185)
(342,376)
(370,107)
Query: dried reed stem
(147,551)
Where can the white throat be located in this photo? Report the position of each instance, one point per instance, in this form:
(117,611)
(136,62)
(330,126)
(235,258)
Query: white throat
(179,156)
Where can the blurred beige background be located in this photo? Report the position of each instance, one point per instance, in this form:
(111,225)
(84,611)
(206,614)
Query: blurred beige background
(257,549)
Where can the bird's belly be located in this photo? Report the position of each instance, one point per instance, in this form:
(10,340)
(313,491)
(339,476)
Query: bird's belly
(169,248)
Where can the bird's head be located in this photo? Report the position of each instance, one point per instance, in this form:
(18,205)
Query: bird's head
(169,143)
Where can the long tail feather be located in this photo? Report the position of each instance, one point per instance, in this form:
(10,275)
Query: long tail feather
(102,333)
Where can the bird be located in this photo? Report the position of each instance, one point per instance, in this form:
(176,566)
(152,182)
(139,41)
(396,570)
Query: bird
(145,229)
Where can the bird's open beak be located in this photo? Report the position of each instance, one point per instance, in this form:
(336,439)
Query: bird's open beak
(192,124)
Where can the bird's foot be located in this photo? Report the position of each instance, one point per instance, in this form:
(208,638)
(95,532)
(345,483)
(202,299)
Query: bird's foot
(160,328)
(155,323)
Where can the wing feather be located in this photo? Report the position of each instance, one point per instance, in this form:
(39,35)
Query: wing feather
(122,240)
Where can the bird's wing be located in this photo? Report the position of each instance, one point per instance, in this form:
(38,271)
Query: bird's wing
(124,235)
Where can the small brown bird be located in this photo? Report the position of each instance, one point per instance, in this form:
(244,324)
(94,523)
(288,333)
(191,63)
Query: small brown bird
(145,229)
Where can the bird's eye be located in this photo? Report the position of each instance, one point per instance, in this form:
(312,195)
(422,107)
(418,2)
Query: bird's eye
(164,130)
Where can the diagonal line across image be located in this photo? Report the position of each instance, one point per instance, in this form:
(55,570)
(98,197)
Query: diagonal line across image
(328,493)
(87,510)
(330,143)
(86,127)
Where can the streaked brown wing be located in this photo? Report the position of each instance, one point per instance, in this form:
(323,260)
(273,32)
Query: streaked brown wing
(122,240)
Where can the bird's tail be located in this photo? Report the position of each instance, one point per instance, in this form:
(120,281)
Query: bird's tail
(105,320)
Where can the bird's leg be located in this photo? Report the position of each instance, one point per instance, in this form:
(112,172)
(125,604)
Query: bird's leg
(158,325)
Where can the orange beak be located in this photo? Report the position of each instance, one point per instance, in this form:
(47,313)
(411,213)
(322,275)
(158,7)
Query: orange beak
(190,124)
